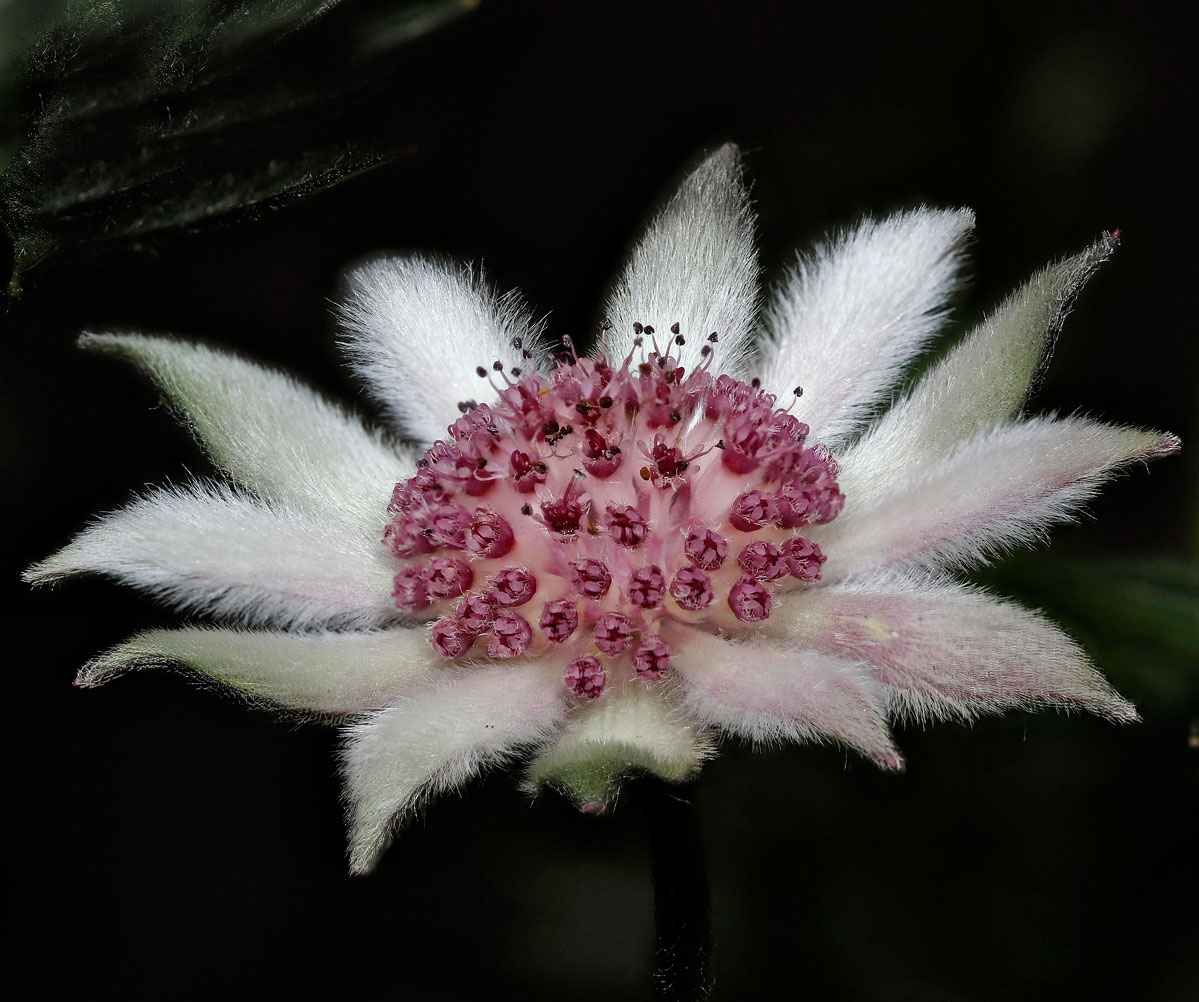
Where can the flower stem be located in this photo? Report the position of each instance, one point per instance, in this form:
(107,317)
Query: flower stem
(682,918)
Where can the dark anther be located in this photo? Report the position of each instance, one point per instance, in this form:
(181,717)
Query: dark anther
(540,467)
(674,328)
(480,463)
(498,365)
(568,430)
(648,329)
(605,401)
(426,532)
(755,382)
(720,444)
(494,429)
(526,354)
(580,473)
(423,464)
(582,407)
(679,339)
(516,372)
(798,391)
(518,343)
(462,407)
(637,328)
(480,372)
(550,427)
(682,465)
(705,351)
(526,509)
(615,450)
(662,362)
(645,474)
(713,337)
(676,417)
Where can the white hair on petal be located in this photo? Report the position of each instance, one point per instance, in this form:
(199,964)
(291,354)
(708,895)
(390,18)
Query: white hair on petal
(856,311)
(213,549)
(268,431)
(437,737)
(766,693)
(984,380)
(695,266)
(1003,488)
(945,650)
(416,330)
(315,673)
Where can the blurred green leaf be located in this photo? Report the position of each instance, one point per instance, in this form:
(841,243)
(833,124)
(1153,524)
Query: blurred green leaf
(124,118)
(1139,619)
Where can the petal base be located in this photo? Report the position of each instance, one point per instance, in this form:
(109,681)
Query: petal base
(631,730)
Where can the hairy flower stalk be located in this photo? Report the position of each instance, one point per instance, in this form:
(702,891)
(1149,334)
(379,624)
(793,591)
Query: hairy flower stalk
(606,562)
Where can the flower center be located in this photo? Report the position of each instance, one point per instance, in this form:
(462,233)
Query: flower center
(591,509)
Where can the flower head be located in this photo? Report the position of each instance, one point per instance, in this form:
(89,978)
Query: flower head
(606,561)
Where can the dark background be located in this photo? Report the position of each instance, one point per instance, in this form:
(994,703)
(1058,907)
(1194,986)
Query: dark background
(174,845)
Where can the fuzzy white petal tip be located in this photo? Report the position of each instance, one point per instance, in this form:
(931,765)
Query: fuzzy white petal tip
(416,330)
(857,310)
(981,382)
(696,266)
(437,738)
(326,674)
(216,550)
(958,512)
(946,651)
(267,431)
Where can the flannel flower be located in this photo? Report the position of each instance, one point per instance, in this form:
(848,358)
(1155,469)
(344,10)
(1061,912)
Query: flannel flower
(606,563)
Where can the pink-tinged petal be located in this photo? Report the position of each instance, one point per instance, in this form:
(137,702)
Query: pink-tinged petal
(268,431)
(439,736)
(416,330)
(767,692)
(983,381)
(945,650)
(855,313)
(634,727)
(1000,490)
(215,551)
(695,267)
(322,673)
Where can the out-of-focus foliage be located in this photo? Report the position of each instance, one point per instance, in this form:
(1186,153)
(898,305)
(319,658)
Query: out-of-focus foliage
(122,118)
(1138,619)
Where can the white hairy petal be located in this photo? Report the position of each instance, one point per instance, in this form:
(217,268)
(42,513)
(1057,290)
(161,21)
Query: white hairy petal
(416,330)
(439,736)
(268,431)
(325,673)
(213,550)
(767,692)
(981,382)
(946,651)
(1002,489)
(856,311)
(695,266)
(635,726)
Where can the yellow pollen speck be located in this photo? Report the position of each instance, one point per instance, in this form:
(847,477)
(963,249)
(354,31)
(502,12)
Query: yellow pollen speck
(878,629)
